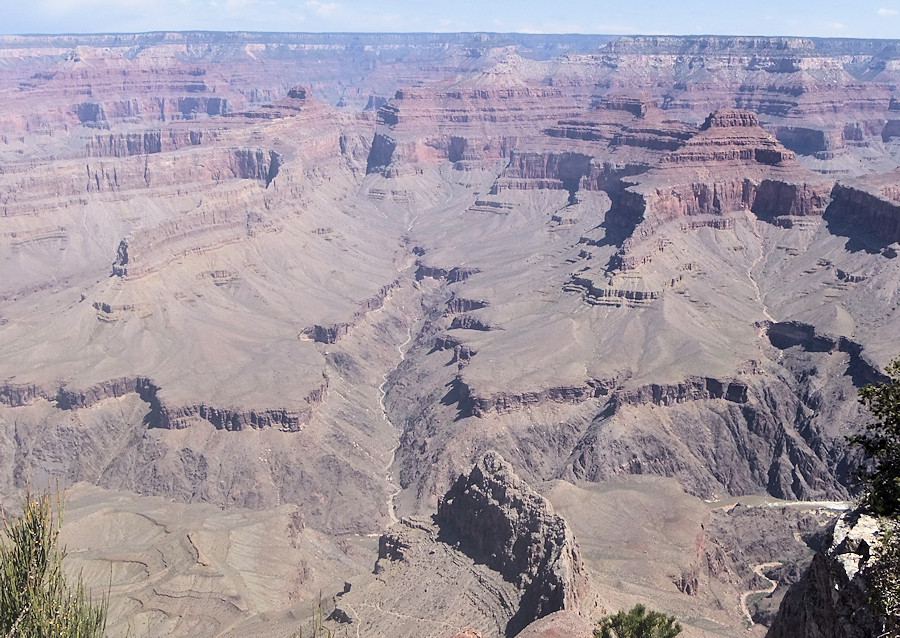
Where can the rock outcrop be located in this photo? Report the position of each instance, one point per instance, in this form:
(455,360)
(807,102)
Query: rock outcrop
(450,275)
(867,212)
(164,415)
(695,389)
(148,249)
(469,322)
(335,332)
(757,173)
(495,517)
(610,390)
(731,164)
(483,118)
(787,334)
(831,600)
(145,143)
(492,531)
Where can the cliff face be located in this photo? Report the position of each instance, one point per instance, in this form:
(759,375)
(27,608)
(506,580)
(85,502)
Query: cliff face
(498,519)
(752,171)
(465,127)
(495,557)
(865,213)
(163,415)
(831,599)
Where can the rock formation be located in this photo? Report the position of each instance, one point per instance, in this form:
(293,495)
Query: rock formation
(831,600)
(867,211)
(497,519)
(752,172)
(162,415)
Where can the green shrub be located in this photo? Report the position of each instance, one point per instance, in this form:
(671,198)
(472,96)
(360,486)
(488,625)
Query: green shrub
(637,623)
(883,576)
(35,599)
(881,442)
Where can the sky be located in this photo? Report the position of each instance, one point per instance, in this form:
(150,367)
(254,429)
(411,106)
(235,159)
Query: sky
(823,18)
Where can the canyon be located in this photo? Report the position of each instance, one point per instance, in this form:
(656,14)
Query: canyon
(443,334)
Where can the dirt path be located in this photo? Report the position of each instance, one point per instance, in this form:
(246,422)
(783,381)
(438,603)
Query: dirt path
(754,227)
(383,394)
(768,589)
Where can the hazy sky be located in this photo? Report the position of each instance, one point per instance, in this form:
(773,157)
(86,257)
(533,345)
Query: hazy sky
(845,18)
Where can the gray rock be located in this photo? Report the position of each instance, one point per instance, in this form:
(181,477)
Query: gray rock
(831,600)
(497,519)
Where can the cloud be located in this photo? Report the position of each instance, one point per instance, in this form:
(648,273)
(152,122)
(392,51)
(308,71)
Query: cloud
(883,11)
(322,9)
(78,6)
(838,26)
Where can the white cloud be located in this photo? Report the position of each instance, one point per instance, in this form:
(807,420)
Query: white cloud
(883,11)
(323,9)
(239,7)
(838,26)
(77,6)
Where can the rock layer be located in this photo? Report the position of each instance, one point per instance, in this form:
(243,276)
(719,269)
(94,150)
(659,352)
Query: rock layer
(162,415)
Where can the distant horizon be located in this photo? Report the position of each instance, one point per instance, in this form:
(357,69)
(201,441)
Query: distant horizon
(446,33)
(863,20)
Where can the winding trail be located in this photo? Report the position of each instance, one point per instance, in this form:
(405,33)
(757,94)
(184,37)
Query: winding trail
(754,225)
(384,415)
(377,606)
(768,589)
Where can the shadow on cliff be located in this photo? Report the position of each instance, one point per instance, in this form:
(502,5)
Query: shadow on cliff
(458,394)
(859,238)
(480,555)
(861,370)
(619,225)
(862,230)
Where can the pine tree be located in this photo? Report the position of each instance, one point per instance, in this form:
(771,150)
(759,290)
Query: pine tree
(638,623)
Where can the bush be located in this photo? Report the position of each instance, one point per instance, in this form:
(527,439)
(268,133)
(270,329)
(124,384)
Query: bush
(35,599)
(637,623)
(881,442)
(883,576)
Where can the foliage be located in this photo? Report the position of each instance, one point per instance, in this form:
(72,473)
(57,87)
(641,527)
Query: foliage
(883,574)
(881,442)
(35,599)
(637,623)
